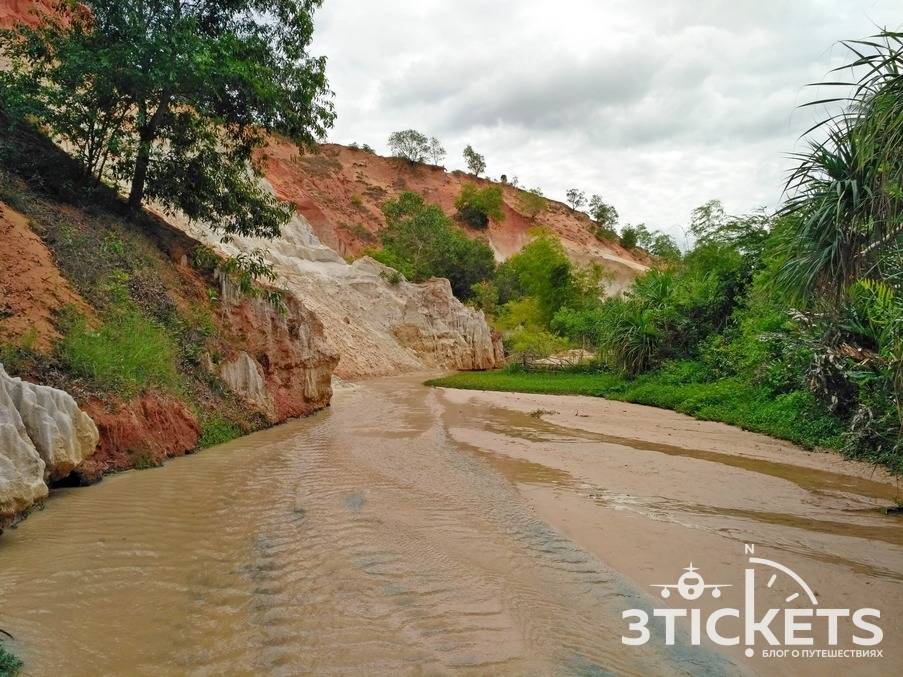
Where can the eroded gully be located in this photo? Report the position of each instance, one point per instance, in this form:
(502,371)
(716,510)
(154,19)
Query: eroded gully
(417,531)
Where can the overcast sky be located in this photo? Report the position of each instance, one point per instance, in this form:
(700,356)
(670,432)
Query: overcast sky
(658,105)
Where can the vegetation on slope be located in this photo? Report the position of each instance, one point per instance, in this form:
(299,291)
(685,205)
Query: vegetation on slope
(790,324)
(153,326)
(421,242)
(135,91)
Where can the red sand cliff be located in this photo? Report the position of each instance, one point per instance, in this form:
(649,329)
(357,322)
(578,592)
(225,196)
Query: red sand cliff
(340,191)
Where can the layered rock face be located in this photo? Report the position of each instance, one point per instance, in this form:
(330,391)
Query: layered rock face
(278,362)
(285,366)
(145,430)
(379,327)
(43,437)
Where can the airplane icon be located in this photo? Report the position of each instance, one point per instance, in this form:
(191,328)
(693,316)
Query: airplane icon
(690,586)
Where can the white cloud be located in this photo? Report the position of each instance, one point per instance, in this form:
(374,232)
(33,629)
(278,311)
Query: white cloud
(657,106)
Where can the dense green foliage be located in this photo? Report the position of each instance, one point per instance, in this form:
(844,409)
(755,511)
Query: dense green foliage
(421,242)
(173,97)
(148,330)
(605,218)
(790,324)
(477,206)
(10,665)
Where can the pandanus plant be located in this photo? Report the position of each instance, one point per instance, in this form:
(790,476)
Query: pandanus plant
(844,249)
(846,193)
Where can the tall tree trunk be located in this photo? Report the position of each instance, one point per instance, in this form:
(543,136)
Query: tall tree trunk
(146,138)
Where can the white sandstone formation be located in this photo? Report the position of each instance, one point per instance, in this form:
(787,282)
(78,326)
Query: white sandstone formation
(43,436)
(378,326)
(244,376)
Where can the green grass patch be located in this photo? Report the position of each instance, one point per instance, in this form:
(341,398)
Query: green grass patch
(127,353)
(218,430)
(9,664)
(792,416)
(551,383)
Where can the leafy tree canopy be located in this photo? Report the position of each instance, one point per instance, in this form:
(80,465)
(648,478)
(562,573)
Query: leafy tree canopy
(576,198)
(174,96)
(421,242)
(603,213)
(411,145)
(476,163)
(435,150)
(477,206)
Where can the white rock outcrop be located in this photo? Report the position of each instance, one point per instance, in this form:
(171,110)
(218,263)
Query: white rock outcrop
(378,324)
(244,376)
(43,436)
(21,468)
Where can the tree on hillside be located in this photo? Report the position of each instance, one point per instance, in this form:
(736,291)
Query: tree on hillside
(409,144)
(603,213)
(576,198)
(628,238)
(421,242)
(173,97)
(435,151)
(476,163)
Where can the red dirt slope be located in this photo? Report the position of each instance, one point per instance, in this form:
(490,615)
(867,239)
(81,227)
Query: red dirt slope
(340,190)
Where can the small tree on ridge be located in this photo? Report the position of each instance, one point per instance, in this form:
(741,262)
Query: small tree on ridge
(476,163)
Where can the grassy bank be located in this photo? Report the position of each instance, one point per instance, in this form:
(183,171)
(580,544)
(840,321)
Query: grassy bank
(791,416)
(152,324)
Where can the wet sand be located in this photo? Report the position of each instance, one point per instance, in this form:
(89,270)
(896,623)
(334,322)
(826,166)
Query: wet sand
(649,491)
(410,530)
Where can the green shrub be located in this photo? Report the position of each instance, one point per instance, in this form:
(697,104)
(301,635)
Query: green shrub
(10,665)
(526,344)
(218,430)
(543,271)
(477,206)
(421,242)
(126,353)
(485,296)
(628,238)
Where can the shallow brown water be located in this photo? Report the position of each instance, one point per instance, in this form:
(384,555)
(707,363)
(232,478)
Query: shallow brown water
(417,531)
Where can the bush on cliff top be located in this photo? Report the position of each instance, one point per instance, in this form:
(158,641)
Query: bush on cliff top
(477,206)
(421,242)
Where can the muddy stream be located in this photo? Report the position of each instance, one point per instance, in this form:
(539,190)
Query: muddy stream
(415,531)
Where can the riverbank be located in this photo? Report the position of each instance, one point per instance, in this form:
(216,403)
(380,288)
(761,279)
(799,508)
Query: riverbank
(788,417)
